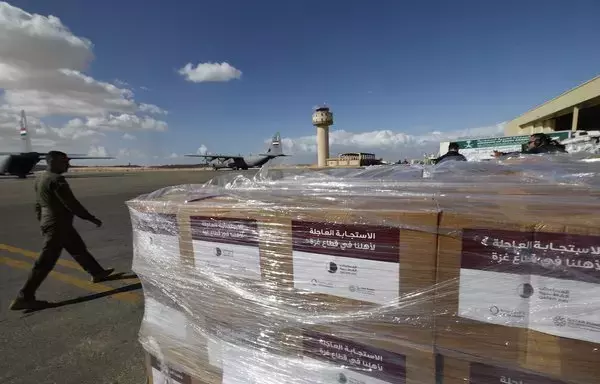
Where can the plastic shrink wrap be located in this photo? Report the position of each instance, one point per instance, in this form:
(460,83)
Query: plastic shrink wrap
(480,273)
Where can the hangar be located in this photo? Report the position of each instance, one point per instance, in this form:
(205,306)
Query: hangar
(576,109)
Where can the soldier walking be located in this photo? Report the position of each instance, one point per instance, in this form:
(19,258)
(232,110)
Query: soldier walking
(55,208)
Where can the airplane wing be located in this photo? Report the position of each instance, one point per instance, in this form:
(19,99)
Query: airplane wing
(74,156)
(212,157)
(83,157)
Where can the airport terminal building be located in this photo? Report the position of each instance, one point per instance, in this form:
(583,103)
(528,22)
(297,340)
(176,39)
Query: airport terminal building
(576,109)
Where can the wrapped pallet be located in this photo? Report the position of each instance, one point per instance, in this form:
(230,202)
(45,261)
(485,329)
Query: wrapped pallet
(370,276)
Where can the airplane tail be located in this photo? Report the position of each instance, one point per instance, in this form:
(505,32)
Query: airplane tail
(26,140)
(275,148)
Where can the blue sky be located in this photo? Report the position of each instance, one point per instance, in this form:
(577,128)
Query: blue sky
(404,67)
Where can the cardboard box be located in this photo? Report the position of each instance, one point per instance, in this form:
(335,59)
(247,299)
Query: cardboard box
(454,370)
(369,267)
(267,267)
(161,371)
(157,242)
(227,352)
(169,330)
(457,240)
(520,289)
(226,262)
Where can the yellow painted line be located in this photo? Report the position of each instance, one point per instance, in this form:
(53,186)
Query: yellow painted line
(34,255)
(86,285)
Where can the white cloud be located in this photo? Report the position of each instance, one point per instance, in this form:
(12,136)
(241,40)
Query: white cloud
(384,143)
(121,83)
(128,136)
(130,153)
(119,123)
(151,108)
(42,70)
(203,150)
(173,156)
(40,42)
(205,72)
(98,151)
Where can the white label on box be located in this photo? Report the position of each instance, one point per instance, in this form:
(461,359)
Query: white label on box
(566,308)
(358,279)
(251,366)
(167,374)
(156,237)
(228,259)
(226,246)
(160,378)
(483,373)
(322,373)
(547,282)
(175,377)
(168,320)
(215,352)
(493,297)
(329,359)
(157,247)
(352,261)
(217,342)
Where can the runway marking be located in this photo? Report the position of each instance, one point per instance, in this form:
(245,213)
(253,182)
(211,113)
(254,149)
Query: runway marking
(34,255)
(83,284)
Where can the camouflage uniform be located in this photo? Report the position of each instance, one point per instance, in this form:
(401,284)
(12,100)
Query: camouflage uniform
(55,208)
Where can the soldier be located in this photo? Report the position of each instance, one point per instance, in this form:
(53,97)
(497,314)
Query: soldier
(55,208)
(538,143)
(451,155)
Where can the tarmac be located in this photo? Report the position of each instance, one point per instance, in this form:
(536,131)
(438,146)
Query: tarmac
(90,335)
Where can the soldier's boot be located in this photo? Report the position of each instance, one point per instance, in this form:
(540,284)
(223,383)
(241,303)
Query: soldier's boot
(22,303)
(102,276)
(26,298)
(89,263)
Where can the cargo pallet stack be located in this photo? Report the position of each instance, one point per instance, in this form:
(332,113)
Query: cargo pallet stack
(372,276)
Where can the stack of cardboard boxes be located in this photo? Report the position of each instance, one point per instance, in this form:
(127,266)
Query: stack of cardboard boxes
(310,286)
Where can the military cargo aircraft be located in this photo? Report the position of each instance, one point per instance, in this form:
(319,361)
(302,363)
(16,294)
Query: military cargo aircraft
(236,162)
(21,164)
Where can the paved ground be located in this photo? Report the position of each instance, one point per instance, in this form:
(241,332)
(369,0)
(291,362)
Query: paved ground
(91,337)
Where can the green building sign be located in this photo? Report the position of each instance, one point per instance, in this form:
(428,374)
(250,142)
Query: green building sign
(481,149)
(504,141)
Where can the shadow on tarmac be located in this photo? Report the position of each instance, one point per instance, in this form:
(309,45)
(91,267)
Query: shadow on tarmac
(83,299)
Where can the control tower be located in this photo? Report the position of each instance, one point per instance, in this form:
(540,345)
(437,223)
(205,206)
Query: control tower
(322,118)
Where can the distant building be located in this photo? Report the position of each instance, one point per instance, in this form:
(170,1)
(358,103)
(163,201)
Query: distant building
(353,159)
(576,109)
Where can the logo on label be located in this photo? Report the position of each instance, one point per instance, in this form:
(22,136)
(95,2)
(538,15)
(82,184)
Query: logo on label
(223,252)
(525,290)
(314,282)
(559,321)
(332,267)
(496,311)
(342,379)
(352,288)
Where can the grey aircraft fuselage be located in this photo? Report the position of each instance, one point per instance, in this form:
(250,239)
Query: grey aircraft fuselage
(22,163)
(245,162)
(236,162)
(19,165)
